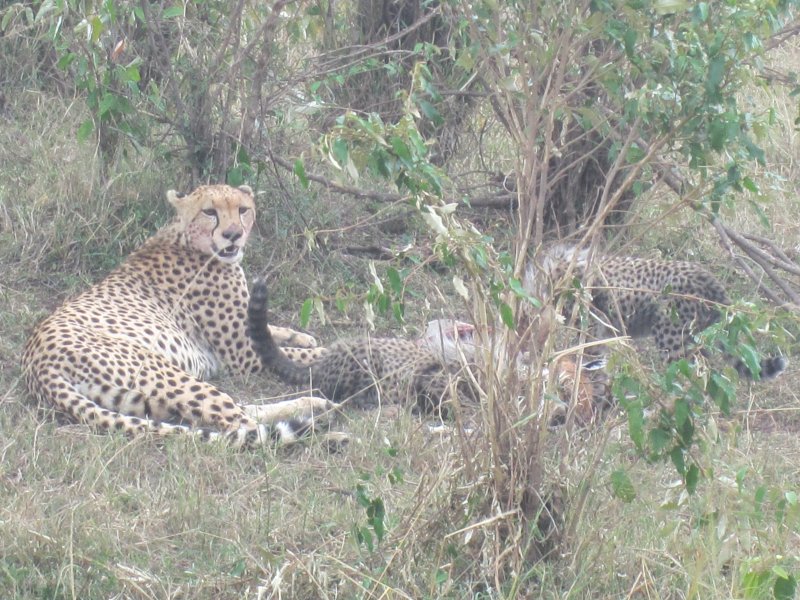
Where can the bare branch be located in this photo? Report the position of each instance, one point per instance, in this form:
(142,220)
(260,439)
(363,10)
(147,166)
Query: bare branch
(337,187)
(745,266)
(372,251)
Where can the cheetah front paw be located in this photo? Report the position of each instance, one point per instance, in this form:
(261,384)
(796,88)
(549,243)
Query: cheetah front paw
(335,441)
(305,406)
(284,336)
(313,404)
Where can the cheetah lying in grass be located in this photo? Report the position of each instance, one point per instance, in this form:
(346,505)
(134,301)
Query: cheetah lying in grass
(670,301)
(132,352)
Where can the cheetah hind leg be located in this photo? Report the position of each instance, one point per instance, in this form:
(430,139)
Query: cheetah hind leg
(303,356)
(282,424)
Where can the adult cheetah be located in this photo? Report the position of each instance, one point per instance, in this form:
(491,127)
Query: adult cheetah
(133,351)
(671,301)
(363,372)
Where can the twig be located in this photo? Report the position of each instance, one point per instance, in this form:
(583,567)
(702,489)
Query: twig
(764,260)
(787,263)
(338,187)
(375,252)
(728,244)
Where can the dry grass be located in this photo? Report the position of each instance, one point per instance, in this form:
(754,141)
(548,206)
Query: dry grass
(92,516)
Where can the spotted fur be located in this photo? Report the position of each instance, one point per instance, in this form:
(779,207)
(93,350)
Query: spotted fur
(362,372)
(132,353)
(670,301)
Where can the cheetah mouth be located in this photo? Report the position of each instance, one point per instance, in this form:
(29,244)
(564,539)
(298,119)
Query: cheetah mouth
(229,253)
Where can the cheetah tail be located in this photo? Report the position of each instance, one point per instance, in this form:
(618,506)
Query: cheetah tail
(263,342)
(770,367)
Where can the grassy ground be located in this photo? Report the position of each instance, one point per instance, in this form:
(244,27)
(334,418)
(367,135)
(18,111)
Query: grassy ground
(92,516)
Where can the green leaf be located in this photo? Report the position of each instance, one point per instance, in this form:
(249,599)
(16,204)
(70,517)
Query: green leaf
(375,515)
(635,154)
(305,311)
(717,133)
(716,72)
(395,281)
(107,104)
(341,152)
(681,412)
(238,568)
(721,392)
(785,588)
(676,455)
(629,38)
(363,537)
(379,162)
(398,310)
(507,315)
(361,492)
(235,176)
(754,584)
(300,171)
(659,440)
(758,499)
(780,572)
(701,12)
(85,130)
(96,28)
(636,423)
(429,110)
(401,149)
(750,185)
(515,285)
(622,486)
(395,476)
(172,12)
(6,18)
(132,75)
(66,60)
(691,479)
(751,359)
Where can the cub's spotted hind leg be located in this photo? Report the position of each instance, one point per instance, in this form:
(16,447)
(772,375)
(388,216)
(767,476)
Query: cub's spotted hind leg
(303,356)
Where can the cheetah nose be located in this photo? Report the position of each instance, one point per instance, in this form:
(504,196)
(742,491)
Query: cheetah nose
(232,233)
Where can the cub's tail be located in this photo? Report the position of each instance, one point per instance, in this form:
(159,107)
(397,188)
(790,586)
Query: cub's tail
(263,342)
(770,367)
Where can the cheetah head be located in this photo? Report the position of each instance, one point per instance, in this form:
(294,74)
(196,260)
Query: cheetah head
(217,219)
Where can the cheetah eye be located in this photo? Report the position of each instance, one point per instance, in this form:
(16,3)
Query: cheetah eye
(243,209)
(210,212)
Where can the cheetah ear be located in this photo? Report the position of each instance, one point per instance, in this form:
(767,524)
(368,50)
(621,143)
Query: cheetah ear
(174,197)
(246,189)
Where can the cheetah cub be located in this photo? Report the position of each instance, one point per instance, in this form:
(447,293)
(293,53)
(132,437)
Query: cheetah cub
(364,372)
(670,301)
